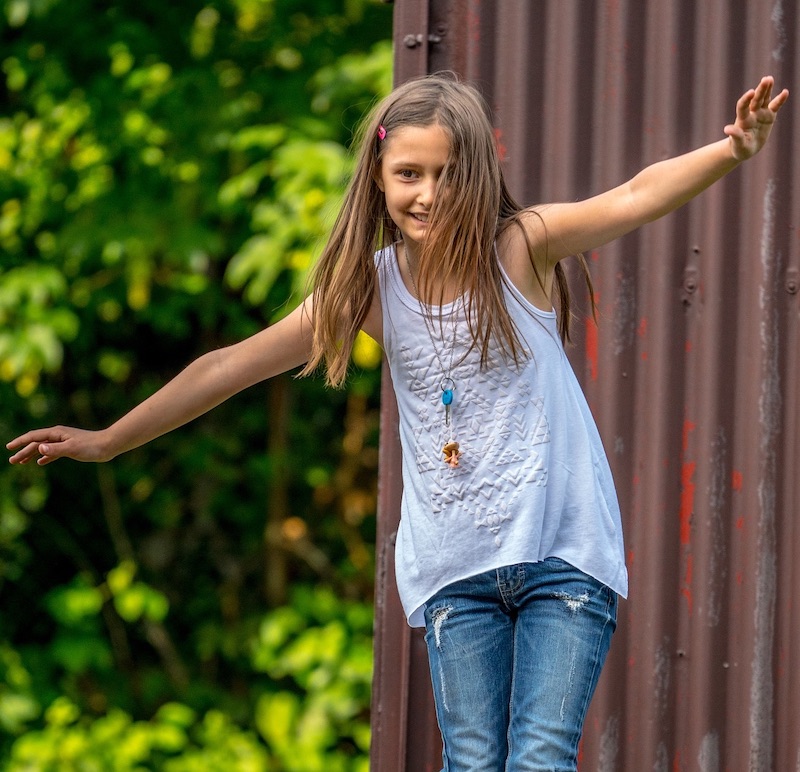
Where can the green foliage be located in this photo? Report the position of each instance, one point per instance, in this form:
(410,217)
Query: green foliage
(168,174)
(310,716)
(319,724)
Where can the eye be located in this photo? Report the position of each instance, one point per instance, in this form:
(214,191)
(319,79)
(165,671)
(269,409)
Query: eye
(407,174)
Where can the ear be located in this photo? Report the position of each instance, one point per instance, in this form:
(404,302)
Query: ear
(378,178)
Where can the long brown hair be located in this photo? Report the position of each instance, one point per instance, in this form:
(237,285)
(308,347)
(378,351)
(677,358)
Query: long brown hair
(471,208)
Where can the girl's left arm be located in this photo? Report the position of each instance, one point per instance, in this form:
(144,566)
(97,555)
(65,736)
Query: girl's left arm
(571,228)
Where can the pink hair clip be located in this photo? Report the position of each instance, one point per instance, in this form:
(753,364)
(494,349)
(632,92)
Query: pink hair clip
(381,133)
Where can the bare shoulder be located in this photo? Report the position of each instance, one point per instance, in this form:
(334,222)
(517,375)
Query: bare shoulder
(373,323)
(522,250)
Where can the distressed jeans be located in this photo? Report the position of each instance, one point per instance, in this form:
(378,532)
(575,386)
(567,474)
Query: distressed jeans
(515,655)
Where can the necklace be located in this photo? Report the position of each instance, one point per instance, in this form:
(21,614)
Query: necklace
(451,448)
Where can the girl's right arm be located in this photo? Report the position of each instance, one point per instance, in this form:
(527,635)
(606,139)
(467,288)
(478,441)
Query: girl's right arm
(204,384)
(580,226)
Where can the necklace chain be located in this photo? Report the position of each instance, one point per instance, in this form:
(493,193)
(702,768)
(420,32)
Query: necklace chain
(446,371)
(451,449)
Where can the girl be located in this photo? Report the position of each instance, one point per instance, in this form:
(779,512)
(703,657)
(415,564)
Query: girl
(510,549)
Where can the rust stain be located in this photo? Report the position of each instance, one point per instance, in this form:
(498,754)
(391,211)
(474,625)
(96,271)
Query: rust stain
(687,485)
(687,500)
(502,150)
(592,344)
(686,589)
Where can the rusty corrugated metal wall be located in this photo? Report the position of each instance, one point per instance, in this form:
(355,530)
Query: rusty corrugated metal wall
(693,371)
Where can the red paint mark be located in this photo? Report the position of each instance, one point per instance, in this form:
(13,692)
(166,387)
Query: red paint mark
(635,480)
(591,347)
(740,522)
(644,356)
(687,347)
(676,764)
(630,558)
(687,486)
(686,590)
(643,327)
(687,500)
(594,255)
(736,480)
(502,150)
(739,578)
(688,427)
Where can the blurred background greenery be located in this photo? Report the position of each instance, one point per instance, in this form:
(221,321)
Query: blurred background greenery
(168,172)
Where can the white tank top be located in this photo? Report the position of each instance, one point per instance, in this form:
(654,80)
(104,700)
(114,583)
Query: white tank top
(532,481)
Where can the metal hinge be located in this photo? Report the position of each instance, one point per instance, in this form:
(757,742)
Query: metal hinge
(412,41)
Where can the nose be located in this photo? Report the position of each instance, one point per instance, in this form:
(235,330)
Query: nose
(426,193)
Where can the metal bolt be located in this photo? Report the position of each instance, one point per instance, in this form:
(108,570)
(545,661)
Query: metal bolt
(690,280)
(412,41)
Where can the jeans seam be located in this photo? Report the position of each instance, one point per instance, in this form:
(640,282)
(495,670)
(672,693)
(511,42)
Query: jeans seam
(508,590)
(509,745)
(600,638)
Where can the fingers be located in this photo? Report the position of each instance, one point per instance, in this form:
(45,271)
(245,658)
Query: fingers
(779,101)
(762,93)
(743,105)
(760,98)
(48,458)
(46,453)
(24,455)
(40,442)
(756,111)
(733,130)
(31,451)
(754,99)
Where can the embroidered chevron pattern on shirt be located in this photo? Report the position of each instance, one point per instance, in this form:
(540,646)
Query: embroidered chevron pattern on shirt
(493,520)
(509,456)
(498,461)
(541,432)
(419,363)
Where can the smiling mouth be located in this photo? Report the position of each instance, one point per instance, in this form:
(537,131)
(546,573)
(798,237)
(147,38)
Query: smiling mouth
(420,218)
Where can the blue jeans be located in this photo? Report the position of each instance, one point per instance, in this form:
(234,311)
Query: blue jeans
(515,655)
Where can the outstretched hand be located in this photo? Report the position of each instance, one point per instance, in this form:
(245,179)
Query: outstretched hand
(755,113)
(47,445)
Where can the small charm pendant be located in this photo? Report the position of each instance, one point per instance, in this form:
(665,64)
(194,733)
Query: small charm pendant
(451,454)
(447,401)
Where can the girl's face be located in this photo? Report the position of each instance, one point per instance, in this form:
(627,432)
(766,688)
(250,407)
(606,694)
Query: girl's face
(413,160)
